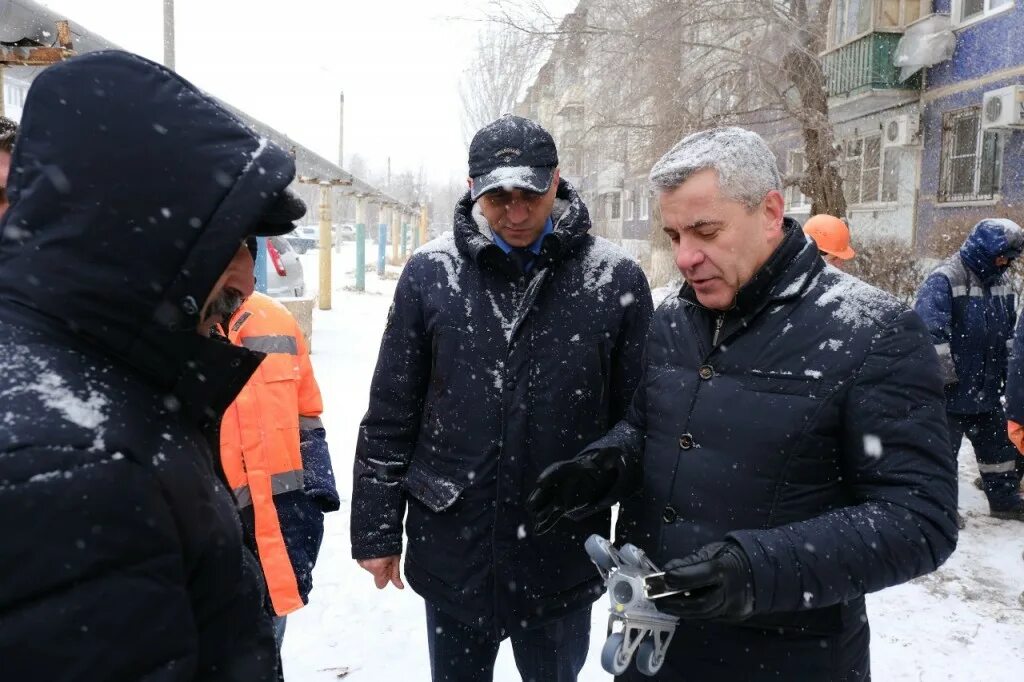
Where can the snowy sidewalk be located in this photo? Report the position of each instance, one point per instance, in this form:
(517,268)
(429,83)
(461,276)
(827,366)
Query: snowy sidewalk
(964,622)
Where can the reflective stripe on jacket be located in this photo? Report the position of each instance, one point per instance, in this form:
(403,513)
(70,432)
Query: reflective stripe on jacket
(260,433)
(971,325)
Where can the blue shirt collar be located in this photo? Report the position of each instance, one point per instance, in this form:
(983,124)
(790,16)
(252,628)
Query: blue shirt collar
(549,227)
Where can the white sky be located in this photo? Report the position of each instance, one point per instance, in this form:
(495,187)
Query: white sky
(284,62)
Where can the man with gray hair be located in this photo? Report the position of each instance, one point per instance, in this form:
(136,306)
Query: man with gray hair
(787,450)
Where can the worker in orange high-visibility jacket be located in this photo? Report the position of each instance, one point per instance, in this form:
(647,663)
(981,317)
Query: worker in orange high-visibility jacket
(274,453)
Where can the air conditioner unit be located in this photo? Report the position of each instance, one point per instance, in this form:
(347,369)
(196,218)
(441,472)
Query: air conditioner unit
(1003,108)
(900,131)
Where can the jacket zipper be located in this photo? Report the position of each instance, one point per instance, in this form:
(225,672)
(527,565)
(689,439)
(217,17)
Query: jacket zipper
(719,321)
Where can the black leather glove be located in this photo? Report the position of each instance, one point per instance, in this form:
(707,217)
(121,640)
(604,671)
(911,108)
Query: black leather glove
(716,583)
(572,485)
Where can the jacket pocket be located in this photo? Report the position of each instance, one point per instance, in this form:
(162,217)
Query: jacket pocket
(279,367)
(810,385)
(425,484)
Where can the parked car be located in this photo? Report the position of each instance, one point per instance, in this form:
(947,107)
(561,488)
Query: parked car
(304,237)
(284,269)
(346,232)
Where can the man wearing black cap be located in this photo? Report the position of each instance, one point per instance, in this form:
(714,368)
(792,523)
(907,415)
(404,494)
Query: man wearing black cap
(123,557)
(511,343)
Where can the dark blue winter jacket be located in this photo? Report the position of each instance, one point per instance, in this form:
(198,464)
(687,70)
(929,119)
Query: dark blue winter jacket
(812,434)
(122,551)
(970,312)
(487,375)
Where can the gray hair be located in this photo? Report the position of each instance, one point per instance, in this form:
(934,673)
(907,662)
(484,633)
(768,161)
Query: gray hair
(746,167)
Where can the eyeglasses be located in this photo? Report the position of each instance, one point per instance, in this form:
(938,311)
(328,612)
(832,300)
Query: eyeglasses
(500,201)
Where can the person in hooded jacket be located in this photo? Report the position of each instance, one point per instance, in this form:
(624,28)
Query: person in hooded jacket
(131,196)
(971,311)
(510,343)
(837,480)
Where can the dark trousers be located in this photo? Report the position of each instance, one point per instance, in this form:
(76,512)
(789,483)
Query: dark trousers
(997,457)
(554,652)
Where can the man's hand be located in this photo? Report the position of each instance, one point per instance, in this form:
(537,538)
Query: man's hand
(385,569)
(715,583)
(571,485)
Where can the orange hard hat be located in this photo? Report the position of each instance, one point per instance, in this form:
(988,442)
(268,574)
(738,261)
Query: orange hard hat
(831,235)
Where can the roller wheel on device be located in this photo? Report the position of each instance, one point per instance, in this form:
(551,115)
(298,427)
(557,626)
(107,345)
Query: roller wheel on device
(614,658)
(600,552)
(647,662)
(632,555)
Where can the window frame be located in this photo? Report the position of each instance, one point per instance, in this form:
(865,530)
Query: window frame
(837,19)
(615,205)
(794,191)
(645,205)
(987,11)
(947,157)
(864,172)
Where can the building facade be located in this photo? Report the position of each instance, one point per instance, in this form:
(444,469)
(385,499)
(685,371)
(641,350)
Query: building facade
(923,155)
(921,163)
(972,118)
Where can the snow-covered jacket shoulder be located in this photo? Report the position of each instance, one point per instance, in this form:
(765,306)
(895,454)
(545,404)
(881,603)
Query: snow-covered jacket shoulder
(122,527)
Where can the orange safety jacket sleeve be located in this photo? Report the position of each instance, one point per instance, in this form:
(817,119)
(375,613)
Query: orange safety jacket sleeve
(316,457)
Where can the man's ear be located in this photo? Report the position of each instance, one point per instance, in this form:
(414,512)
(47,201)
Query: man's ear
(773,208)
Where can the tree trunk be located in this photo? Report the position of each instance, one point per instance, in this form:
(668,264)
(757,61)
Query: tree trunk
(821,182)
(662,268)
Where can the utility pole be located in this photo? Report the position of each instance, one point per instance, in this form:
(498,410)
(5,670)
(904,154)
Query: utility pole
(341,131)
(325,246)
(382,239)
(423,224)
(361,242)
(169,34)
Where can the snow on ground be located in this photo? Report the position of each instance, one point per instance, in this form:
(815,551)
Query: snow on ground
(964,622)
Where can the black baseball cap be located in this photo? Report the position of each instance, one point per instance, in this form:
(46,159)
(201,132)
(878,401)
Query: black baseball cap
(512,152)
(280,217)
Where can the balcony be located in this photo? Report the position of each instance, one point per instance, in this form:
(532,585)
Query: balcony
(865,65)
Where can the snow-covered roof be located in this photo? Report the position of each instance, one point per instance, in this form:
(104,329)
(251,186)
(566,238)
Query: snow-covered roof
(25,19)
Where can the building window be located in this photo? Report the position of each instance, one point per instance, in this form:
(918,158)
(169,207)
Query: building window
(852,18)
(972,159)
(631,206)
(965,11)
(890,174)
(863,169)
(615,202)
(645,205)
(794,197)
(899,13)
(571,165)
(870,176)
